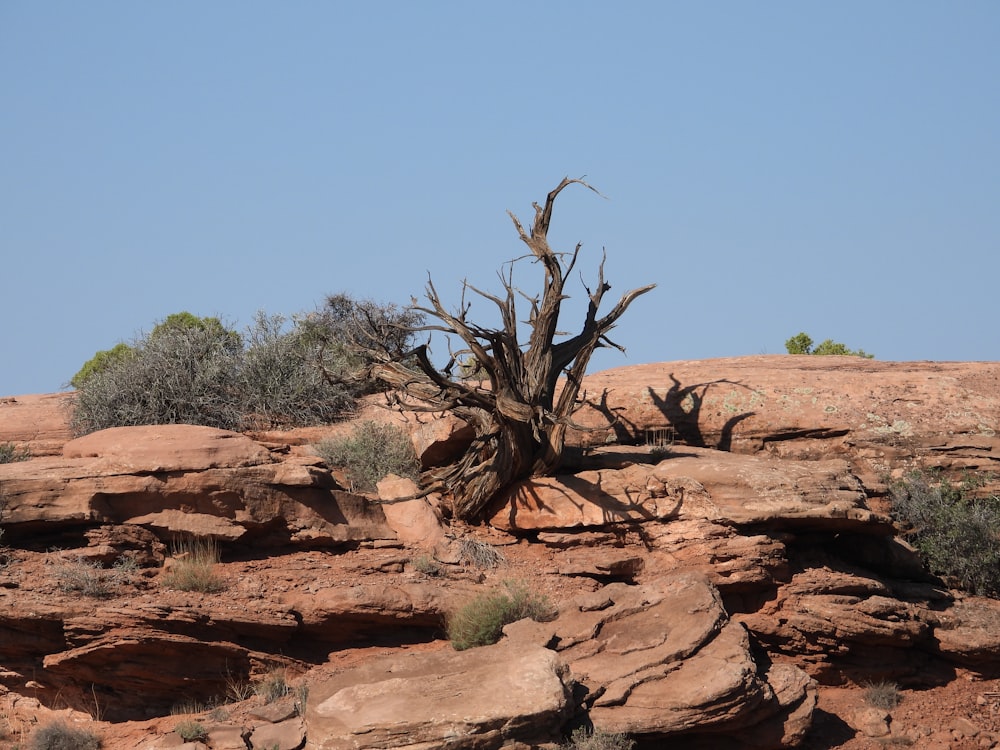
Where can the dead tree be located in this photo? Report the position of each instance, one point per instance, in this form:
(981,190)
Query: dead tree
(518,409)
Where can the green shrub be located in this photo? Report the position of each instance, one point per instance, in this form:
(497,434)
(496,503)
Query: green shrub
(191,730)
(283,373)
(596,739)
(182,374)
(884,695)
(100,362)
(373,451)
(481,621)
(801,343)
(10,453)
(957,534)
(60,736)
(193,567)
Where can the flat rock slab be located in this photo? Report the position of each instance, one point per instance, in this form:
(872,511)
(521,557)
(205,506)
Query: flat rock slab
(488,696)
(697,483)
(727,401)
(168,447)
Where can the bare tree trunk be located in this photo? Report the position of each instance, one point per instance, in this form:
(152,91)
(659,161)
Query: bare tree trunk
(519,423)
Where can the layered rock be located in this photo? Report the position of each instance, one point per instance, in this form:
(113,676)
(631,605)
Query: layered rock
(881,416)
(38,423)
(186,480)
(663,659)
(721,582)
(727,488)
(655,661)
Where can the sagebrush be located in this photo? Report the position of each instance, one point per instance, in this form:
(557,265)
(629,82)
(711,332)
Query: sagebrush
(191,730)
(272,686)
(957,533)
(85,577)
(191,370)
(883,694)
(372,451)
(597,739)
(60,736)
(480,622)
(479,554)
(10,453)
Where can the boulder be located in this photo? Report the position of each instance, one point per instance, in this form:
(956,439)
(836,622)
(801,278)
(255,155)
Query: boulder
(416,522)
(285,735)
(663,659)
(440,439)
(477,699)
(968,633)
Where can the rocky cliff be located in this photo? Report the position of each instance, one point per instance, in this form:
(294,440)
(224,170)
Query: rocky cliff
(719,554)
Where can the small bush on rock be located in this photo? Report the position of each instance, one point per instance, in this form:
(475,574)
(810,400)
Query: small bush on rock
(801,343)
(60,736)
(427,565)
(273,686)
(481,621)
(10,453)
(957,534)
(479,554)
(596,739)
(191,730)
(184,372)
(373,451)
(884,695)
(85,577)
(193,567)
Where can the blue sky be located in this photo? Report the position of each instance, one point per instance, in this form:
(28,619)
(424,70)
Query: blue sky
(773,166)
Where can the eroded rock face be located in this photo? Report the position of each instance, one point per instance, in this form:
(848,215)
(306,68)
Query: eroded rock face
(185,480)
(658,660)
(968,633)
(776,540)
(844,624)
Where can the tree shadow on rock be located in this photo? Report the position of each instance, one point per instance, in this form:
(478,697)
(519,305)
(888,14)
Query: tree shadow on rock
(681,406)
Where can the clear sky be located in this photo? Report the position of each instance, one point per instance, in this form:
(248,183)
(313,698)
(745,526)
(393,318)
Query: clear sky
(774,167)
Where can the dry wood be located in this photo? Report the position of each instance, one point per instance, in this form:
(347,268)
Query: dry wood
(519,422)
